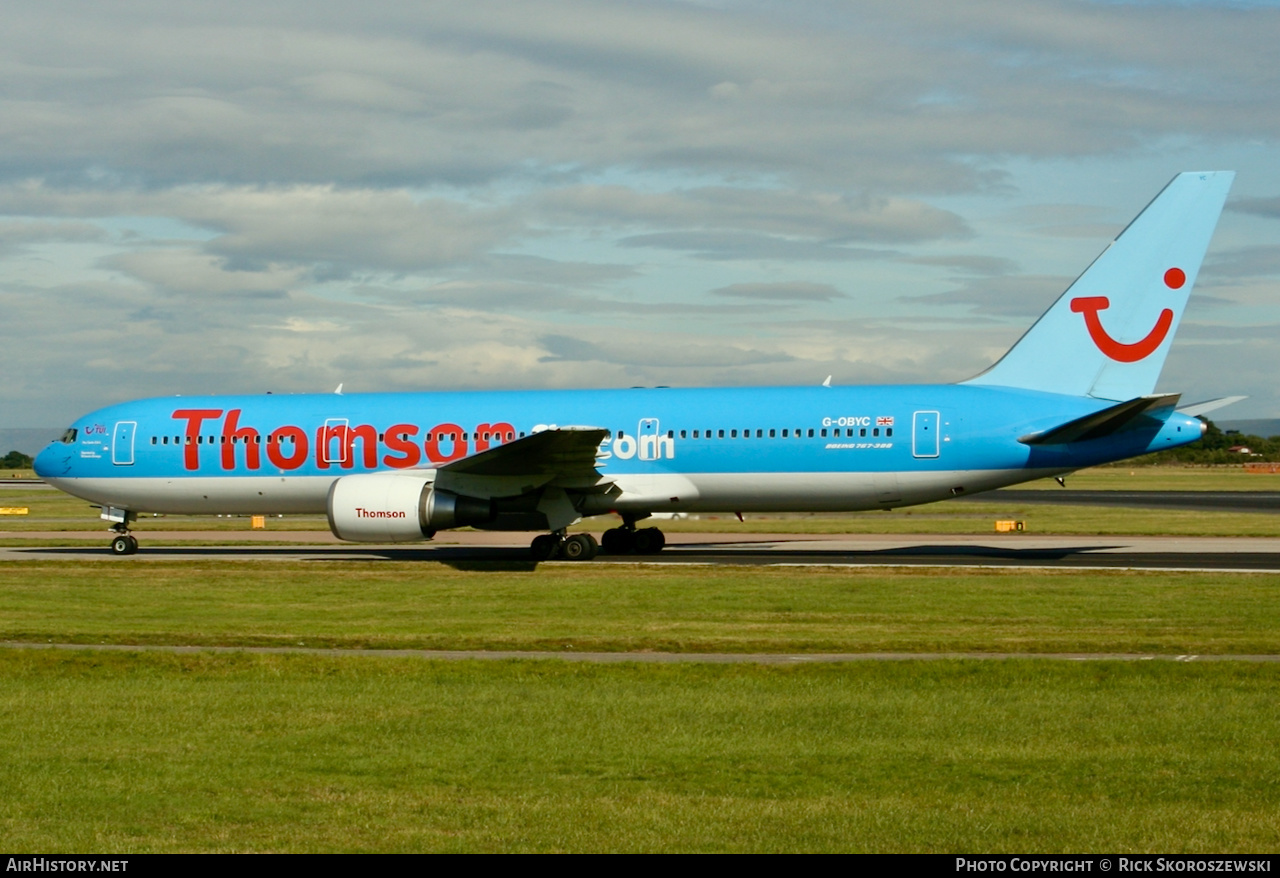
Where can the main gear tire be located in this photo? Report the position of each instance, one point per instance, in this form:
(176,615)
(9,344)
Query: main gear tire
(545,547)
(579,547)
(649,541)
(617,541)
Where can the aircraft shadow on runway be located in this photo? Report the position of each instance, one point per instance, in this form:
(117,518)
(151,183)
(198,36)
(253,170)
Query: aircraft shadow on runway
(490,558)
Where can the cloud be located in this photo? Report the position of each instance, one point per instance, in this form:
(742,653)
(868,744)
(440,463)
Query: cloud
(877,97)
(731,246)
(16,235)
(795,291)
(829,217)
(1267,207)
(653,352)
(988,265)
(323,227)
(1244,262)
(189,272)
(514,296)
(1006,296)
(448,195)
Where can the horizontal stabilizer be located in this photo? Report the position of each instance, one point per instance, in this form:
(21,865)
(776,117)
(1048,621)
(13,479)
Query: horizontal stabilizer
(1196,409)
(566,452)
(1103,423)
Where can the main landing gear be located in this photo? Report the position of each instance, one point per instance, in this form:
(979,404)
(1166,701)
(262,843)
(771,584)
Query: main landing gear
(625,540)
(628,540)
(579,547)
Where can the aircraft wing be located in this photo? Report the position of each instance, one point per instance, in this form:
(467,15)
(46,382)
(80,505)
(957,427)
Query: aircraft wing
(1102,423)
(562,453)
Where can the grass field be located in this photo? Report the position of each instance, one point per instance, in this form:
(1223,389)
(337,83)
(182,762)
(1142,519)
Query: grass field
(128,752)
(619,608)
(135,753)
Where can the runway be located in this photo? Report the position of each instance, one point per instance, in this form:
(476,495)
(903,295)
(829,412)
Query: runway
(1204,501)
(488,550)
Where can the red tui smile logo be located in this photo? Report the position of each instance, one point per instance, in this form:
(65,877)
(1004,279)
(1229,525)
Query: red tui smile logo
(1089,306)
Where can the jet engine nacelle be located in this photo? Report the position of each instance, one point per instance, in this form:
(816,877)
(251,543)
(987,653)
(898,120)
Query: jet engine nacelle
(394,508)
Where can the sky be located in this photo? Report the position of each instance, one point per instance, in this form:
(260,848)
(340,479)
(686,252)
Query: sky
(242,197)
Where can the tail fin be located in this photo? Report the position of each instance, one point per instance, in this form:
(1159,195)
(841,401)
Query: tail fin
(1107,336)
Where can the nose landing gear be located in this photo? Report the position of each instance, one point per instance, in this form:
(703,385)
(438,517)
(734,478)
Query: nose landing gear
(124,542)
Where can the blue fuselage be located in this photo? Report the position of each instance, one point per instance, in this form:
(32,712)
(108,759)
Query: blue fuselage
(791,448)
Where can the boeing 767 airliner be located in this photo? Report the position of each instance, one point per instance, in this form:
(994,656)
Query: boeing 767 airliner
(1075,391)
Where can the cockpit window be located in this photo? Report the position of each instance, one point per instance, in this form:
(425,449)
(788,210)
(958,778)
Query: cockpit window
(69,436)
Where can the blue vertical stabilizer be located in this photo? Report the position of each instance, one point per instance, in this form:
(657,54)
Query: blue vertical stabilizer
(1108,335)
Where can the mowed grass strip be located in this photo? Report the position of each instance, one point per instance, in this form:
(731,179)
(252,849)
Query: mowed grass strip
(146,752)
(625,607)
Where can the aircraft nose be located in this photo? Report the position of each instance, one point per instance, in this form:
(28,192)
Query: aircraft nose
(52,461)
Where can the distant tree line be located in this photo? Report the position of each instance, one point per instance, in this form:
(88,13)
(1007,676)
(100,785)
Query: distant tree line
(1215,448)
(16,460)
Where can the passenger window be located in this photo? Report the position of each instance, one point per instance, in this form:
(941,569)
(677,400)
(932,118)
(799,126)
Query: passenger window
(811,432)
(863,432)
(875,432)
(888,431)
(733,434)
(773,434)
(824,432)
(721,434)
